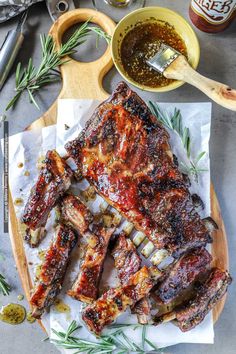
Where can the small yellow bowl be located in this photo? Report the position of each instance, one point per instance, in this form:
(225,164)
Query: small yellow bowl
(180,25)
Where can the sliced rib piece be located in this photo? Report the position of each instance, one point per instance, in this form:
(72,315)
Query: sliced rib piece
(53,270)
(183,273)
(128,262)
(75,213)
(115,301)
(54,179)
(194,312)
(125,153)
(85,287)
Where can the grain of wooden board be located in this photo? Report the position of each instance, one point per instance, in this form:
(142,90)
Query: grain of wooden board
(84,80)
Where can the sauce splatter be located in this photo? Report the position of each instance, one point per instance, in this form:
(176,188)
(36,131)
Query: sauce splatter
(41,254)
(61,307)
(20,297)
(18,201)
(13,314)
(141,43)
(30,318)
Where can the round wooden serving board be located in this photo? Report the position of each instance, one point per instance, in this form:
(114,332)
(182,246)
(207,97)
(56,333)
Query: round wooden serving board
(84,80)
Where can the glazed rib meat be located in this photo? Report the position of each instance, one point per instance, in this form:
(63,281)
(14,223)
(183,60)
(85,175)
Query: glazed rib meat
(183,273)
(75,213)
(52,270)
(85,287)
(115,301)
(128,262)
(54,179)
(194,312)
(125,153)
(211,292)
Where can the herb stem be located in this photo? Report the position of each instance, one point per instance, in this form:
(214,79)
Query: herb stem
(32,79)
(114,342)
(4,286)
(174,122)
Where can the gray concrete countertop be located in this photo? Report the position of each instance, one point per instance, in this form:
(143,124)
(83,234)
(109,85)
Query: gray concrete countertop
(218,54)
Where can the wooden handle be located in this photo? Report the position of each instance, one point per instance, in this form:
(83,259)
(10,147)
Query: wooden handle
(220,93)
(79,79)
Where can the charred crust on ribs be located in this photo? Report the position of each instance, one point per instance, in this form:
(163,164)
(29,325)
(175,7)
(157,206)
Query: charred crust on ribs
(182,273)
(52,270)
(54,179)
(125,153)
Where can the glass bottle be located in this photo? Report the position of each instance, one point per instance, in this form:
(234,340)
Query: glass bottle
(212,16)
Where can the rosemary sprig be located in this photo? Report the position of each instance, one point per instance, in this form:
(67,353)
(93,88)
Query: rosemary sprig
(4,286)
(193,168)
(116,341)
(31,79)
(174,122)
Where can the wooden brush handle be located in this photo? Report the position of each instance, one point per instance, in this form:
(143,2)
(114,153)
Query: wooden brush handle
(222,94)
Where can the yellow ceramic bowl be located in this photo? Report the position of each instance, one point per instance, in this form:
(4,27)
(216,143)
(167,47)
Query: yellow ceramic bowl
(180,25)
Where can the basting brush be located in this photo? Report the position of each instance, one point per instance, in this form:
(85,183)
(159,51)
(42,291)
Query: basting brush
(173,65)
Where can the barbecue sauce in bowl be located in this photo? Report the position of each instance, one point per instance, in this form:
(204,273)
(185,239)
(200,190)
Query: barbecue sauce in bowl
(141,43)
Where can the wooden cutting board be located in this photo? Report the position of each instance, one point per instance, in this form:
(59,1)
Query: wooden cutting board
(84,80)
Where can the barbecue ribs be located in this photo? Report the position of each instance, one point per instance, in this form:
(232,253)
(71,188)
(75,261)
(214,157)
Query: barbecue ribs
(52,270)
(85,287)
(115,301)
(125,153)
(194,312)
(183,273)
(54,179)
(76,214)
(128,262)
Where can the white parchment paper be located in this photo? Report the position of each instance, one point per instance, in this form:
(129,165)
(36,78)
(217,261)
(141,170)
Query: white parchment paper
(27,147)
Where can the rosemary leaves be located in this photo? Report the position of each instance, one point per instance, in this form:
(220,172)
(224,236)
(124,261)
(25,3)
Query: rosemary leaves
(174,122)
(4,286)
(32,79)
(114,342)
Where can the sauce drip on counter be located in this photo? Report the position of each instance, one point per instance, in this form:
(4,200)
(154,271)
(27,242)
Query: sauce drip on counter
(13,314)
(141,43)
(30,318)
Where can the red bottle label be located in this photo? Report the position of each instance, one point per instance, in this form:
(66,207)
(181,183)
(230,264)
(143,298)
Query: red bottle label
(213,11)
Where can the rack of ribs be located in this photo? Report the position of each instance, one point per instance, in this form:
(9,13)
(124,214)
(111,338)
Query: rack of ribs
(124,153)
(54,179)
(116,300)
(182,273)
(209,293)
(128,262)
(52,270)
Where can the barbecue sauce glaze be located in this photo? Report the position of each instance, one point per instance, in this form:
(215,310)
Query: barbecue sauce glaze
(141,43)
